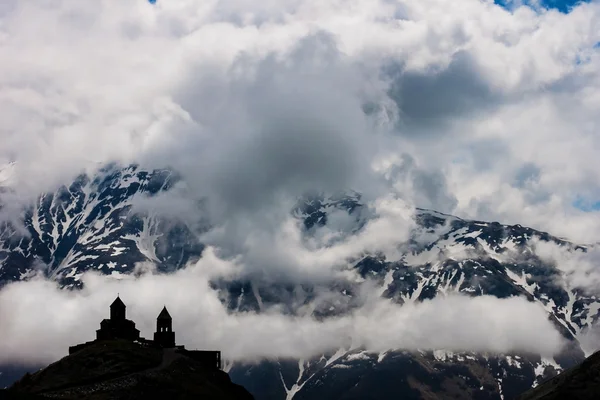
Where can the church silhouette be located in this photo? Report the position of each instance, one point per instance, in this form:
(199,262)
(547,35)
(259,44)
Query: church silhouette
(164,334)
(118,327)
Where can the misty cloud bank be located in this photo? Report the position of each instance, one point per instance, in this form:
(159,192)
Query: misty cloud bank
(463,107)
(56,319)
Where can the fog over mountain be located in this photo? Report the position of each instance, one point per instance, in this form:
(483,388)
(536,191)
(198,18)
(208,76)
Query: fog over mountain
(298,177)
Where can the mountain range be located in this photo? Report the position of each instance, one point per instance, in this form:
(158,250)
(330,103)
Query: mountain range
(92,224)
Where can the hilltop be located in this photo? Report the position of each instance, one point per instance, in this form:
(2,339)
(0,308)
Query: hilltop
(121,369)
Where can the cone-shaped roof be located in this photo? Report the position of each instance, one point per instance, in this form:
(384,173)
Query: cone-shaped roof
(164,314)
(117,303)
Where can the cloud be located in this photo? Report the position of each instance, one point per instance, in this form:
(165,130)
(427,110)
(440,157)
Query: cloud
(420,186)
(255,103)
(580,268)
(428,98)
(58,318)
(291,127)
(463,107)
(286,254)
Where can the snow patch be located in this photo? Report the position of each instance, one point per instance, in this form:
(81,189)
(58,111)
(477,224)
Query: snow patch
(443,355)
(541,366)
(335,357)
(387,281)
(514,361)
(146,238)
(522,281)
(358,356)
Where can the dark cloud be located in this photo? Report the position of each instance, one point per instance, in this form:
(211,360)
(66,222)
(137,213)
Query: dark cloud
(428,186)
(527,173)
(428,99)
(284,128)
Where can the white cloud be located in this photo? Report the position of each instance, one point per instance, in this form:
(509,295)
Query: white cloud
(58,318)
(256,103)
(198,79)
(580,269)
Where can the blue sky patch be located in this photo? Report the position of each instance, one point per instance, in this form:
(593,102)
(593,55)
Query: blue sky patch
(563,6)
(586,205)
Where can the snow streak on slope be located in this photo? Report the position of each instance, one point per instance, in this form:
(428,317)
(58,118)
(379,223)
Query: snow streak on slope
(90,225)
(470,257)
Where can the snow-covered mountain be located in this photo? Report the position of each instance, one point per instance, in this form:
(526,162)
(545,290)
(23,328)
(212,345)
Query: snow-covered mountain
(470,257)
(91,225)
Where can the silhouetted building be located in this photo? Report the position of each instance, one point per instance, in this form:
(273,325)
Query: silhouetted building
(117,327)
(164,335)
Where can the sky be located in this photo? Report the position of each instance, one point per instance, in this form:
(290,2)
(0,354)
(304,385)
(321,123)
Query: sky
(494,108)
(563,6)
(465,107)
(560,5)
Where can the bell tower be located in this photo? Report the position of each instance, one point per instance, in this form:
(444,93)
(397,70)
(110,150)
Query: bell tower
(164,335)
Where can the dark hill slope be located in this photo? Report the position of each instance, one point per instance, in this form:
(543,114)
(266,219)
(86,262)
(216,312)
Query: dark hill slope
(126,370)
(581,382)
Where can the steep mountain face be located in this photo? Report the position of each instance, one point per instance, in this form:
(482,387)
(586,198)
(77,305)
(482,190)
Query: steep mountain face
(92,225)
(470,257)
